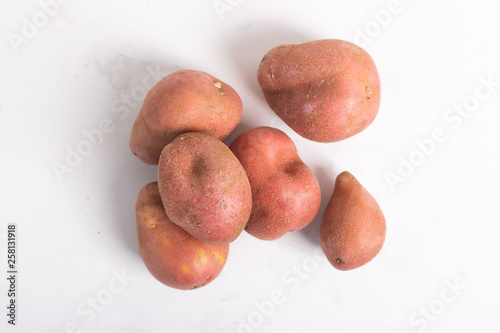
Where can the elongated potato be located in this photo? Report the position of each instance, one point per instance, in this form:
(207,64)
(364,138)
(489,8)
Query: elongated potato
(285,193)
(204,188)
(353,228)
(325,90)
(184,101)
(174,257)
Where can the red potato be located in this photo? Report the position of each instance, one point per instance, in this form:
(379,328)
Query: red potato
(285,193)
(204,188)
(172,256)
(353,228)
(184,101)
(325,90)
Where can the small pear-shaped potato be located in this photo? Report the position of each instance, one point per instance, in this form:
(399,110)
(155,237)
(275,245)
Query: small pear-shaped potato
(353,228)
(172,256)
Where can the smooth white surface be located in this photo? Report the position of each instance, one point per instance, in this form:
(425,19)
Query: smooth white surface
(73,234)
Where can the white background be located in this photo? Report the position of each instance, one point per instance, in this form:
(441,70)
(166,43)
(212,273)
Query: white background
(75,234)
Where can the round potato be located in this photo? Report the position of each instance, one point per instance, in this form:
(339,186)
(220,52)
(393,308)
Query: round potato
(285,193)
(184,101)
(204,188)
(325,90)
(172,256)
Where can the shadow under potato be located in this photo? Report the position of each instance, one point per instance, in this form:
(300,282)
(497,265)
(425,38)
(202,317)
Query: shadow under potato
(242,127)
(126,174)
(326,181)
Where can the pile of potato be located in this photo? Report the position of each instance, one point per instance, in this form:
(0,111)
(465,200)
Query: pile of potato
(207,193)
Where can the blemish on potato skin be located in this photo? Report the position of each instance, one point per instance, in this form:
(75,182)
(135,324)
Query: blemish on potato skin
(221,258)
(369,92)
(202,258)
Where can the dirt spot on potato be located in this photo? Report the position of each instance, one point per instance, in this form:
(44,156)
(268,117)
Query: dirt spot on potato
(185,269)
(369,91)
(199,166)
(309,92)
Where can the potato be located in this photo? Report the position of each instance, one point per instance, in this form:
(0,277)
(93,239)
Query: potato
(184,101)
(325,90)
(204,188)
(285,193)
(171,255)
(353,228)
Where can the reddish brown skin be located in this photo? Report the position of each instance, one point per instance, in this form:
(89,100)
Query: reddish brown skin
(325,90)
(204,188)
(172,256)
(184,101)
(285,193)
(353,228)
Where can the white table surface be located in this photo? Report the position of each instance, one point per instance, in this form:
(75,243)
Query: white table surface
(85,63)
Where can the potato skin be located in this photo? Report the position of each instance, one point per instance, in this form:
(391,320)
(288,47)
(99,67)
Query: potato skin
(204,188)
(325,90)
(172,256)
(353,228)
(184,101)
(285,193)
